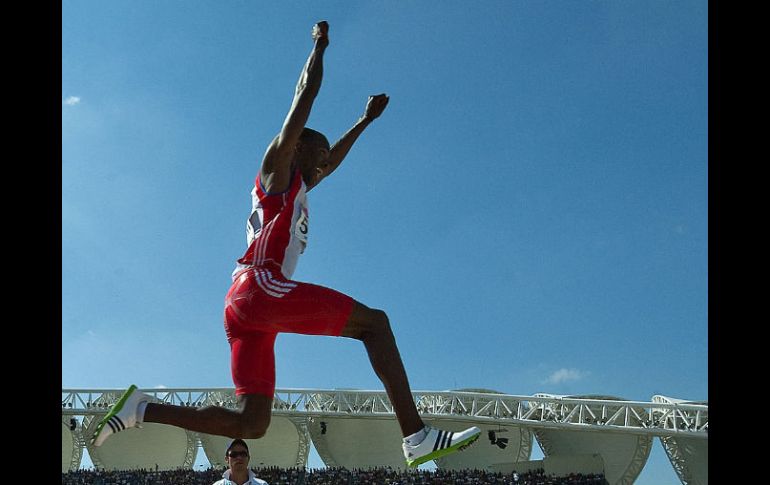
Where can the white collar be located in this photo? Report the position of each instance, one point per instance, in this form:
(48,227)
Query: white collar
(227,472)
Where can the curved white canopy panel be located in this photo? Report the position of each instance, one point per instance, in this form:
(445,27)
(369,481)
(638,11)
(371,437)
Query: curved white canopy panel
(70,448)
(688,456)
(285,445)
(497,445)
(624,455)
(166,447)
(358,442)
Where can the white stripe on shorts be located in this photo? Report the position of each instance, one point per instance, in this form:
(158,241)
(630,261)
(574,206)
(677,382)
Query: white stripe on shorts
(258,279)
(283,284)
(270,286)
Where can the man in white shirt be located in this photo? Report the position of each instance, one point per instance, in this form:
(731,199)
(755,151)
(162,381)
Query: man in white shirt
(237,458)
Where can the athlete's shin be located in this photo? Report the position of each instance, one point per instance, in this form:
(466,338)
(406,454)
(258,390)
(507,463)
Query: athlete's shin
(386,361)
(215,420)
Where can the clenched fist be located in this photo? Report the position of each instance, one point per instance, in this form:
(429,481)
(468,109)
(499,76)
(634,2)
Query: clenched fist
(375,106)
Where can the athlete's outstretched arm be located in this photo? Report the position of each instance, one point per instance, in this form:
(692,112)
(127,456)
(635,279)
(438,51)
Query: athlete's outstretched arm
(276,164)
(374,108)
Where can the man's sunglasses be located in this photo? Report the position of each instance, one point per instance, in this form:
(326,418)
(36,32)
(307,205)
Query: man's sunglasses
(236,454)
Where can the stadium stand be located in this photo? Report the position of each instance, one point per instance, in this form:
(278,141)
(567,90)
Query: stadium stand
(329,476)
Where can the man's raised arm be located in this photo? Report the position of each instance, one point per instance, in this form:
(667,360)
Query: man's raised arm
(276,164)
(374,108)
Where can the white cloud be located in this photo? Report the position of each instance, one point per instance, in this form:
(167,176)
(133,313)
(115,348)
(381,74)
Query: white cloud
(160,395)
(71,101)
(565,375)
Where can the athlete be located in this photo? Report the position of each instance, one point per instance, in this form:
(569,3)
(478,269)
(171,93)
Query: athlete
(264,301)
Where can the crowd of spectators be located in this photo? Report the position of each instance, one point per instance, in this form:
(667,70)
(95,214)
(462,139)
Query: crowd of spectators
(329,476)
(387,476)
(180,476)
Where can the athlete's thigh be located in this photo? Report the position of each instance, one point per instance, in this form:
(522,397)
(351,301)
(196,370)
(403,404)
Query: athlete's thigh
(266,301)
(252,362)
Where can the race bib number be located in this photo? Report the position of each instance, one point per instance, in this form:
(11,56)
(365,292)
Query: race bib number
(302,226)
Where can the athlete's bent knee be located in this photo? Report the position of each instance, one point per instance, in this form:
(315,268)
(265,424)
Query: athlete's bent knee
(381,320)
(254,427)
(366,323)
(378,324)
(254,416)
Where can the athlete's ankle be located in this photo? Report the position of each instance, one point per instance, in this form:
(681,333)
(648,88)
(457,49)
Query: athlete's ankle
(416,438)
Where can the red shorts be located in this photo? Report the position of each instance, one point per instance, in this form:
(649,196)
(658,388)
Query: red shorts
(260,304)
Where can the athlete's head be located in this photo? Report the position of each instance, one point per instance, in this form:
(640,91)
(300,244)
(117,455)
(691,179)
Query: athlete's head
(312,154)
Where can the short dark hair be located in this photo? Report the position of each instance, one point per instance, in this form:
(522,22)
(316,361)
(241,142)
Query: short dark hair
(236,441)
(309,135)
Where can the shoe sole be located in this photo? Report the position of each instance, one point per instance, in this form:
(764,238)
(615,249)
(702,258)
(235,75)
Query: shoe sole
(439,453)
(116,408)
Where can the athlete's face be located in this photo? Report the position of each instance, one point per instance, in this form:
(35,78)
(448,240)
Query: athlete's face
(313,158)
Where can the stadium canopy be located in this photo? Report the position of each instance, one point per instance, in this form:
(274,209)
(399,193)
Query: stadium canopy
(688,456)
(624,455)
(357,429)
(358,442)
(151,447)
(286,444)
(500,443)
(71,447)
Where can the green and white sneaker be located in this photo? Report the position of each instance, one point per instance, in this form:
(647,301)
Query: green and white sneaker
(122,415)
(438,443)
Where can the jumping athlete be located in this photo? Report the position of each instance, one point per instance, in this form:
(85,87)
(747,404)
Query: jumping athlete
(264,301)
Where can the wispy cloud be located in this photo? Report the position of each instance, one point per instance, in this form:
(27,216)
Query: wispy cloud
(71,101)
(565,375)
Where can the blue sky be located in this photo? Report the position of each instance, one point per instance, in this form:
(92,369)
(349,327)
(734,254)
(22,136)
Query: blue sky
(534,197)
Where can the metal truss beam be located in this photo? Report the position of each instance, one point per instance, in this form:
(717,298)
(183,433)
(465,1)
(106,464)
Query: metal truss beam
(593,415)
